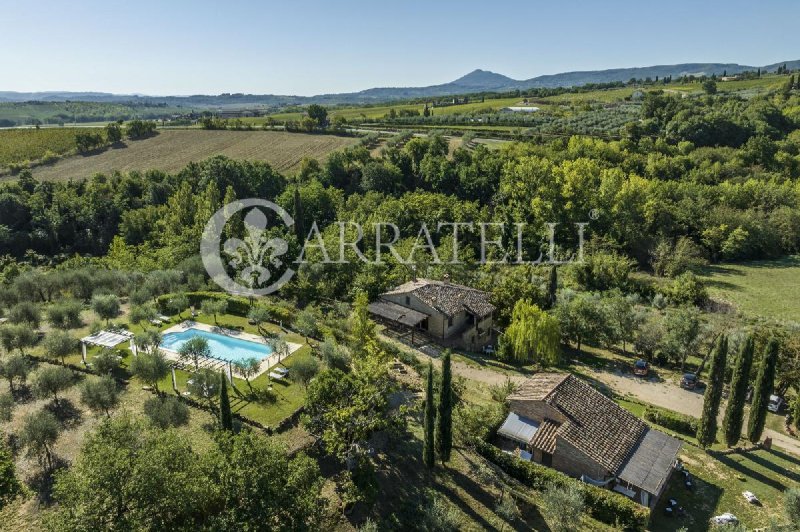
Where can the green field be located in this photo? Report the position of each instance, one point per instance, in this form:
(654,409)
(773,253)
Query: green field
(18,145)
(762,288)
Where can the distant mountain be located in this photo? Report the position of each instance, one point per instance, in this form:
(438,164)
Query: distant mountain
(476,81)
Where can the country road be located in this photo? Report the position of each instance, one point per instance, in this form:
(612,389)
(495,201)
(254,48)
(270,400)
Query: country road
(662,393)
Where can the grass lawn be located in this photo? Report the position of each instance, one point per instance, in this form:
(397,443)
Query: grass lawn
(769,288)
(719,483)
(262,404)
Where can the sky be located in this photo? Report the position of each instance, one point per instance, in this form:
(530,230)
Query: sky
(176,47)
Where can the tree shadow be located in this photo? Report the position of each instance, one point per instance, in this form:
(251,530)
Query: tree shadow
(43,480)
(729,461)
(784,456)
(782,471)
(65,412)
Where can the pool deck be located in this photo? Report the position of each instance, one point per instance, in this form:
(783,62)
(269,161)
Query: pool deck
(266,362)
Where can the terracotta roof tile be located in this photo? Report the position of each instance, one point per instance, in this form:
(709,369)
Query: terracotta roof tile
(545,437)
(447,298)
(595,425)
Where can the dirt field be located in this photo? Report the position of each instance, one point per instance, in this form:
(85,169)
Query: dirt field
(171,150)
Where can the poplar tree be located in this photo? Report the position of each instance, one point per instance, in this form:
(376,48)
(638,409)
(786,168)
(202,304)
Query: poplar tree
(734,412)
(763,389)
(428,456)
(444,412)
(225,415)
(707,429)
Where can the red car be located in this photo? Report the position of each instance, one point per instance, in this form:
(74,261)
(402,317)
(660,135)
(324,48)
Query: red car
(641,368)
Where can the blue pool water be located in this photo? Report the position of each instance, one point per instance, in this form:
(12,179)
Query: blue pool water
(224,347)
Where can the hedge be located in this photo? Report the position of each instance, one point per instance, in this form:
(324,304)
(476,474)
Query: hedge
(239,306)
(680,423)
(602,504)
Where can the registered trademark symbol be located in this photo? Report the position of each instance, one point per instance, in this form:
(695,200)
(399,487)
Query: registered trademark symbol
(594,214)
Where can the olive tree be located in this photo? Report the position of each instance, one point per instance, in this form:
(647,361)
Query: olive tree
(59,344)
(106,306)
(100,395)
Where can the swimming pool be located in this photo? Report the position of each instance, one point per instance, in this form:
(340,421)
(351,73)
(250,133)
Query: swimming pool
(221,346)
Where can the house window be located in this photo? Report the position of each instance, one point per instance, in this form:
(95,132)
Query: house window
(547,459)
(408,300)
(450,321)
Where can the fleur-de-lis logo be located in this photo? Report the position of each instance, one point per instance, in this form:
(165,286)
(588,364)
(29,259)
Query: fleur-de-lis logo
(253,256)
(256,257)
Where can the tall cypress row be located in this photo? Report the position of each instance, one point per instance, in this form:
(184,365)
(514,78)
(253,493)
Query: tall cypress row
(734,412)
(763,389)
(225,415)
(428,456)
(444,412)
(707,430)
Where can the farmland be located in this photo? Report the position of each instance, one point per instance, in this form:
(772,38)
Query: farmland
(18,145)
(171,150)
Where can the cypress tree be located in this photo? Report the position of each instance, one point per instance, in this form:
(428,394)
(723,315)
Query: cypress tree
(707,430)
(763,389)
(734,412)
(552,287)
(444,412)
(430,414)
(225,415)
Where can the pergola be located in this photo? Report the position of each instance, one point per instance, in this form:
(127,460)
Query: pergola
(395,315)
(108,339)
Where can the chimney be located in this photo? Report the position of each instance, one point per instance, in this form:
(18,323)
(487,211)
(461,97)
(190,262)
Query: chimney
(446,278)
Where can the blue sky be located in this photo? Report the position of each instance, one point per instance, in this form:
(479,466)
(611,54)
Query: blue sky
(311,47)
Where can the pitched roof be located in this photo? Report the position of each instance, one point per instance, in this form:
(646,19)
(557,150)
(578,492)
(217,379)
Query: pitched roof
(545,437)
(446,297)
(596,425)
(650,465)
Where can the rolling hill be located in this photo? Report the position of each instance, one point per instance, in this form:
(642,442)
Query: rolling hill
(476,81)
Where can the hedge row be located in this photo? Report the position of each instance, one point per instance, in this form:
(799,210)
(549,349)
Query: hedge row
(680,423)
(239,306)
(602,504)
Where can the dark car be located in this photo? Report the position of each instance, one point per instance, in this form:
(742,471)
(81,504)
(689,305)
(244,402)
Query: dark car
(689,381)
(641,368)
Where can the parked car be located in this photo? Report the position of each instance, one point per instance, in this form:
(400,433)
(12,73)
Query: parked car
(775,403)
(725,519)
(641,368)
(689,381)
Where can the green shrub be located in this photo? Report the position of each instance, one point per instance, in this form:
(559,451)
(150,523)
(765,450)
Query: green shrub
(238,306)
(602,504)
(680,423)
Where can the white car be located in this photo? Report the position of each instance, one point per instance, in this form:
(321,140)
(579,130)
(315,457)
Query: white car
(725,519)
(751,497)
(775,403)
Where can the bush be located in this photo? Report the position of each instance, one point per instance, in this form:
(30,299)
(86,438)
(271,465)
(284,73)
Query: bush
(239,306)
(10,486)
(680,423)
(603,505)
